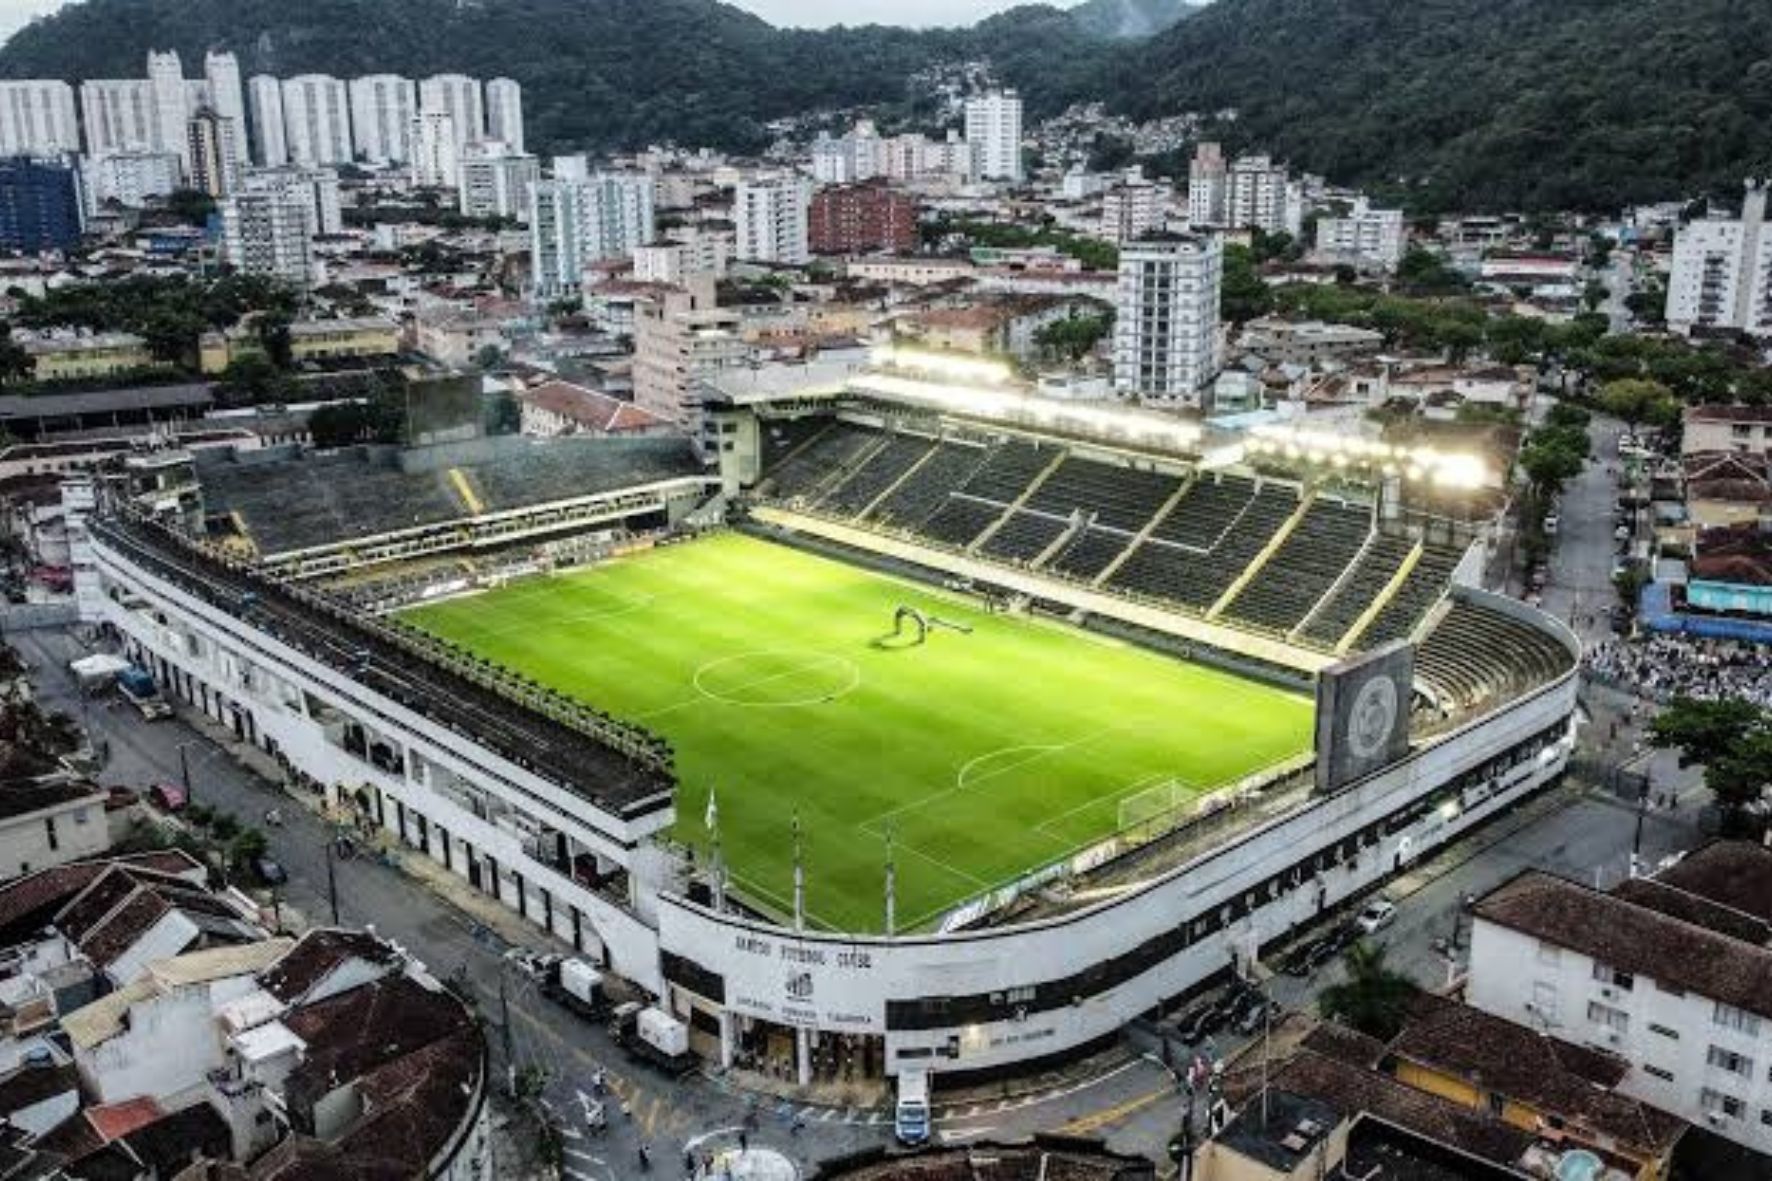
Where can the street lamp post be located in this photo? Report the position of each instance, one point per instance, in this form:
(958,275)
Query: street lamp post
(184,771)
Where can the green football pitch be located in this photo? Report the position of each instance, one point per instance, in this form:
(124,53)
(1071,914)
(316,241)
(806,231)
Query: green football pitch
(775,676)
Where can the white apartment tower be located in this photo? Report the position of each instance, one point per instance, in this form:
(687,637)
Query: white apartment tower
(771,216)
(270,146)
(171,104)
(221,71)
(496,181)
(573,223)
(37,118)
(117,115)
(266,233)
(1130,211)
(317,119)
(435,150)
(993,128)
(1260,193)
(504,113)
(1366,237)
(1722,271)
(1166,333)
(314,189)
(1206,182)
(382,109)
(460,96)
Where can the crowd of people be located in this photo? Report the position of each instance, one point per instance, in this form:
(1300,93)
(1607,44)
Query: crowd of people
(1661,668)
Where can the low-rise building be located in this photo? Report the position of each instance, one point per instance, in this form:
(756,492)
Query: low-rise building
(1670,974)
(80,356)
(1309,342)
(1008,325)
(1745,429)
(564,408)
(50,823)
(366,337)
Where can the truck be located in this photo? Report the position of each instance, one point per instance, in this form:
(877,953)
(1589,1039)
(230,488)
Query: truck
(578,986)
(911,1121)
(137,685)
(648,1034)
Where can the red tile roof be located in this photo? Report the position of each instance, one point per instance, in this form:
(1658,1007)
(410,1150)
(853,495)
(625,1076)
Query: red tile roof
(596,413)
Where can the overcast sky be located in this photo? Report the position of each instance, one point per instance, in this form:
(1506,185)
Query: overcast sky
(14,13)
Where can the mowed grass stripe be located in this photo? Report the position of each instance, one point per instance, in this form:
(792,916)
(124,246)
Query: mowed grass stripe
(987,754)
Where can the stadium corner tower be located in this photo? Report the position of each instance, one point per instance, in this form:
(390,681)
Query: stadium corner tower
(276,593)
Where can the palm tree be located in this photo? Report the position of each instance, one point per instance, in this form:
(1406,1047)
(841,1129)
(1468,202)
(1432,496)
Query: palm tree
(1374,999)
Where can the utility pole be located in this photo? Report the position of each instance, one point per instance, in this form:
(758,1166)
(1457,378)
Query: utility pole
(331,882)
(184,772)
(504,1016)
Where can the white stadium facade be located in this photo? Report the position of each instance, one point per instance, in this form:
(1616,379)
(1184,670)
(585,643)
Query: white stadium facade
(558,811)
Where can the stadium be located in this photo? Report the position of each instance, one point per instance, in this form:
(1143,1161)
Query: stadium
(901,719)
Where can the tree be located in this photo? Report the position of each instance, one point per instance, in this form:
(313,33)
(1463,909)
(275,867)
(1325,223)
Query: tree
(1243,294)
(190,206)
(1551,459)
(1074,337)
(504,414)
(1374,999)
(273,336)
(1637,401)
(1731,739)
(253,380)
(16,365)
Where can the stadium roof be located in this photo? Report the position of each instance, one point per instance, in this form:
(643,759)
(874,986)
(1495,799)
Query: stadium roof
(291,500)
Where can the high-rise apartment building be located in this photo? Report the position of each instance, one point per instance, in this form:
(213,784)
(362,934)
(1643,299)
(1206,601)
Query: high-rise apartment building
(573,223)
(314,189)
(504,113)
(1206,182)
(317,119)
(770,214)
(41,207)
(213,149)
(686,252)
(681,340)
(993,128)
(1262,194)
(862,219)
(266,233)
(1365,237)
(37,118)
(435,150)
(497,181)
(382,109)
(171,99)
(858,156)
(1166,331)
(130,178)
(460,96)
(221,72)
(270,144)
(117,115)
(1722,271)
(1131,210)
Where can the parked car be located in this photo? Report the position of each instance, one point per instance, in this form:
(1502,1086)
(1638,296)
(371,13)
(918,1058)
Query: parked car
(1255,1014)
(270,871)
(533,964)
(1199,1023)
(168,797)
(1379,914)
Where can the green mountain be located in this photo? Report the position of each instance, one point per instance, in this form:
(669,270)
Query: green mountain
(596,73)
(1480,103)
(1128,20)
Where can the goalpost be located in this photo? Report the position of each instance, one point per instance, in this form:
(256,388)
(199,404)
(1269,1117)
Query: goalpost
(1157,806)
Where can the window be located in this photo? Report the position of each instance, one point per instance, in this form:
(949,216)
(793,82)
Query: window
(1663,1075)
(49,830)
(1613,978)
(82,815)
(1766,1117)
(1615,1020)
(1718,1103)
(1729,1017)
(1664,1031)
(1550,954)
(1730,1061)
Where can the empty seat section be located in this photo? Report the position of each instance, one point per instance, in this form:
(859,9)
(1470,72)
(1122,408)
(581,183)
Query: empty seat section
(1090,552)
(927,489)
(881,470)
(1313,556)
(1008,472)
(1117,497)
(1198,580)
(961,520)
(808,472)
(1414,599)
(1374,571)
(1024,537)
(1476,657)
(1200,517)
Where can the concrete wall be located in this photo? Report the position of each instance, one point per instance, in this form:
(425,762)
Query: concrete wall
(79,831)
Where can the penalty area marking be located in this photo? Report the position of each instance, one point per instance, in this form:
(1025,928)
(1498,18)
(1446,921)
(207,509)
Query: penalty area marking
(842,666)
